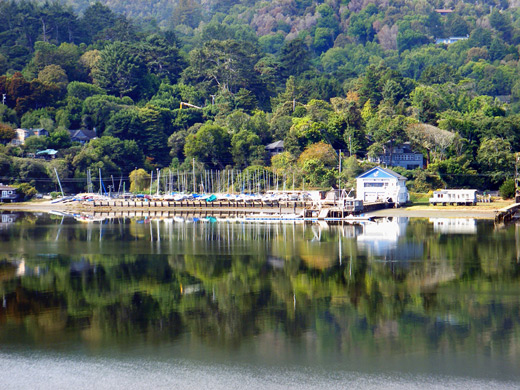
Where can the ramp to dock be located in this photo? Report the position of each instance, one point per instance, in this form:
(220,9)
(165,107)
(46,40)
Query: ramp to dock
(324,213)
(506,214)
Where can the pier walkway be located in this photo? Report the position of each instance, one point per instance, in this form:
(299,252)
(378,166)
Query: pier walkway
(506,214)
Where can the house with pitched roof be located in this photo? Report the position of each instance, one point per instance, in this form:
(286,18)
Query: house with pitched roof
(82,135)
(382,184)
(400,156)
(274,148)
(8,193)
(23,134)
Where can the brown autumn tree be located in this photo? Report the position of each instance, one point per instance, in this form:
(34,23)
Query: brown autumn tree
(7,133)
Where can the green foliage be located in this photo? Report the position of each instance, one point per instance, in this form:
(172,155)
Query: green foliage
(495,158)
(32,172)
(246,148)
(59,139)
(361,77)
(121,71)
(110,154)
(139,180)
(81,90)
(34,144)
(26,190)
(507,189)
(210,145)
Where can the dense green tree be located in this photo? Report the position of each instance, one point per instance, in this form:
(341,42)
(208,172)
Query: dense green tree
(224,66)
(96,18)
(294,57)
(496,159)
(98,109)
(81,90)
(246,149)
(120,71)
(33,172)
(210,145)
(139,180)
(53,74)
(59,139)
(187,12)
(109,153)
(408,39)
(34,144)
(160,57)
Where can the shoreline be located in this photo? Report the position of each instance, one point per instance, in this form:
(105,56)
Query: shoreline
(487,211)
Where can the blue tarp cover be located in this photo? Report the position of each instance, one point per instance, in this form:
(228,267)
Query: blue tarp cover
(211,198)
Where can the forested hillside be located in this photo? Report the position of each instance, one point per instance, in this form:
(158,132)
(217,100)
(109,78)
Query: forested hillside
(361,76)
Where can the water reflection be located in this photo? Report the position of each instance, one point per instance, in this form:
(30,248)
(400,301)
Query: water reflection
(454,225)
(396,286)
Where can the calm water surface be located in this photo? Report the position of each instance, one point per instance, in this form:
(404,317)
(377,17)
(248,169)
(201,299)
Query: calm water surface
(140,303)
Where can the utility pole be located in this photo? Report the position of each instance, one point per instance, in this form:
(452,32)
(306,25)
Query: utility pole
(3,98)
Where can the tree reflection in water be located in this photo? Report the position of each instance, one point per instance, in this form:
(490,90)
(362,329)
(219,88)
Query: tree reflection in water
(398,285)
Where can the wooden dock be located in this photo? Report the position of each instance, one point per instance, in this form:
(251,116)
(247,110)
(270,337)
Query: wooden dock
(506,214)
(221,208)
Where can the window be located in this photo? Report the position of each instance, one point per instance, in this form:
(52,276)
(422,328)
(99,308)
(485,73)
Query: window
(373,184)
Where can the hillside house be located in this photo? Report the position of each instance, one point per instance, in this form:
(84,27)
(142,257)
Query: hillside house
(449,41)
(400,156)
(23,134)
(274,148)
(444,11)
(82,136)
(382,184)
(8,193)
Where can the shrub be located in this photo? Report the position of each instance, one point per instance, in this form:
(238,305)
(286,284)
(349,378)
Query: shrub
(507,189)
(26,190)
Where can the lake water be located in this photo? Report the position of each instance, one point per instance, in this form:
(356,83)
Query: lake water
(138,303)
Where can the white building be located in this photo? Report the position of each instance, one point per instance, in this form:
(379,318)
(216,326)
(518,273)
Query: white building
(450,40)
(456,197)
(382,184)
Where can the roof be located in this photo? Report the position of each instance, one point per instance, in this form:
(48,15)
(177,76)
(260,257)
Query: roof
(48,151)
(444,11)
(82,134)
(275,145)
(32,131)
(4,188)
(380,172)
(455,191)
